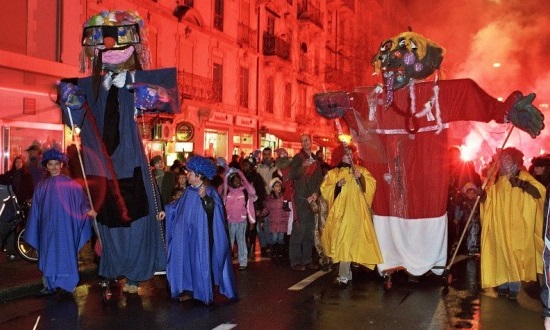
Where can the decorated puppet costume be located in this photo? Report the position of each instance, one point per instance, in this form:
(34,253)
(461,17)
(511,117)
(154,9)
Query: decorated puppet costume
(104,107)
(405,145)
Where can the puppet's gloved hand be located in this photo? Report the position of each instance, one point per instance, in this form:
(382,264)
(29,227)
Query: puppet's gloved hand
(332,104)
(70,96)
(525,116)
(149,97)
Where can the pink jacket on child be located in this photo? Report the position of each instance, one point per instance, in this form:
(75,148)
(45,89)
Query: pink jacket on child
(234,200)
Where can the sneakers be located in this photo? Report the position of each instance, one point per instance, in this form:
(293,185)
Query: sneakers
(242,268)
(312,266)
(130,288)
(299,267)
(44,292)
(342,280)
(513,295)
(184,297)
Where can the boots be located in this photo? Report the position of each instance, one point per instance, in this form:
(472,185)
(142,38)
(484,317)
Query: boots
(275,252)
(264,253)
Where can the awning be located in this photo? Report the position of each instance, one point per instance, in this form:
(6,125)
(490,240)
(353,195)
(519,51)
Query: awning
(285,135)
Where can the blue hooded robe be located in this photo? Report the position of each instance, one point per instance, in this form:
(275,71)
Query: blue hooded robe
(58,228)
(199,257)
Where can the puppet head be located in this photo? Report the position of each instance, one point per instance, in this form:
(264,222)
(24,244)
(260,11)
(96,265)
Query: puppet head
(114,41)
(406,56)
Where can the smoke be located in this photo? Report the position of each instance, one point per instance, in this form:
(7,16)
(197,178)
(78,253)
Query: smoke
(478,34)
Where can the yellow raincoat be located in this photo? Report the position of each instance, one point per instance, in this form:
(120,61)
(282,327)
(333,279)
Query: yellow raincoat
(349,232)
(511,233)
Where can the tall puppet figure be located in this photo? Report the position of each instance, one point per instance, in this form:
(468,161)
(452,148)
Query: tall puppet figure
(401,130)
(104,107)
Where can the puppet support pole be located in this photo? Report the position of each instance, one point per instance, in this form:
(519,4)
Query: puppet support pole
(96,228)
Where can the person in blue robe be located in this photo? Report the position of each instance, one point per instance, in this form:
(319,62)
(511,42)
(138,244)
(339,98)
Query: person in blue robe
(58,225)
(199,257)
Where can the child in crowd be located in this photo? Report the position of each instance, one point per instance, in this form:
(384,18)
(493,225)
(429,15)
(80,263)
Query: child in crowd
(278,217)
(238,197)
(181,180)
(176,193)
(463,211)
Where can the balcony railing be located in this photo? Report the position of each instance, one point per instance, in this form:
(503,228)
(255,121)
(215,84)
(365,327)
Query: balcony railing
(276,46)
(310,13)
(199,88)
(247,37)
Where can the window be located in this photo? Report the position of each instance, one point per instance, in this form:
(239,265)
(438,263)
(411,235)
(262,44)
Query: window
(32,32)
(302,102)
(270,25)
(217,82)
(243,87)
(218,15)
(288,101)
(269,91)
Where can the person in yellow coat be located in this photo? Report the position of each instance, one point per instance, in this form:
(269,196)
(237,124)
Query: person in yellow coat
(349,234)
(511,227)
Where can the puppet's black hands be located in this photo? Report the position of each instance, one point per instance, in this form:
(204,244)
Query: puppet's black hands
(526,186)
(482,196)
(525,116)
(70,96)
(516,182)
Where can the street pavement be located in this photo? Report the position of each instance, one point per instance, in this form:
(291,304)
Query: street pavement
(272,296)
(21,278)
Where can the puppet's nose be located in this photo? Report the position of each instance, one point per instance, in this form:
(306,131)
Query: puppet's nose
(109,42)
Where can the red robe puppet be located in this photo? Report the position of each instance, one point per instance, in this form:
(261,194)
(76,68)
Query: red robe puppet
(402,137)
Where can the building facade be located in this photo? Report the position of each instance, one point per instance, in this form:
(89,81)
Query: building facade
(247,69)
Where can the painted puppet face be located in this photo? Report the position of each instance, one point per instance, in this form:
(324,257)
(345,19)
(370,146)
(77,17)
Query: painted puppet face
(405,57)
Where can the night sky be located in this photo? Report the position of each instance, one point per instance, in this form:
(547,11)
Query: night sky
(478,33)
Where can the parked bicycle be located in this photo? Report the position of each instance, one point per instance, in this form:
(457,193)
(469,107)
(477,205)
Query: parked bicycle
(13,218)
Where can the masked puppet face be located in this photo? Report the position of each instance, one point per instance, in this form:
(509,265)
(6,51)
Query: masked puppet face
(113,41)
(405,57)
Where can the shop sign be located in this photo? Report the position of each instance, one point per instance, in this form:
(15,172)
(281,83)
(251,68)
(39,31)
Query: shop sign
(184,131)
(220,117)
(245,121)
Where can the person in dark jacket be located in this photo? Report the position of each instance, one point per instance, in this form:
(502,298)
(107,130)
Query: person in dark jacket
(20,179)
(307,176)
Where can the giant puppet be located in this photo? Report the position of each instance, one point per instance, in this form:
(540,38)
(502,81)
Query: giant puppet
(105,107)
(401,130)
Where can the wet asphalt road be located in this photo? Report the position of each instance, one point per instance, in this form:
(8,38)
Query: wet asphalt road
(267,303)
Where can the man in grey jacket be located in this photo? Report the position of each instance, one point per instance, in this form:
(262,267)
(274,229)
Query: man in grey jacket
(307,176)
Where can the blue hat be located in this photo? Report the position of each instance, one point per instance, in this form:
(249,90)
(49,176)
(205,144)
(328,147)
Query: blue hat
(201,165)
(53,154)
